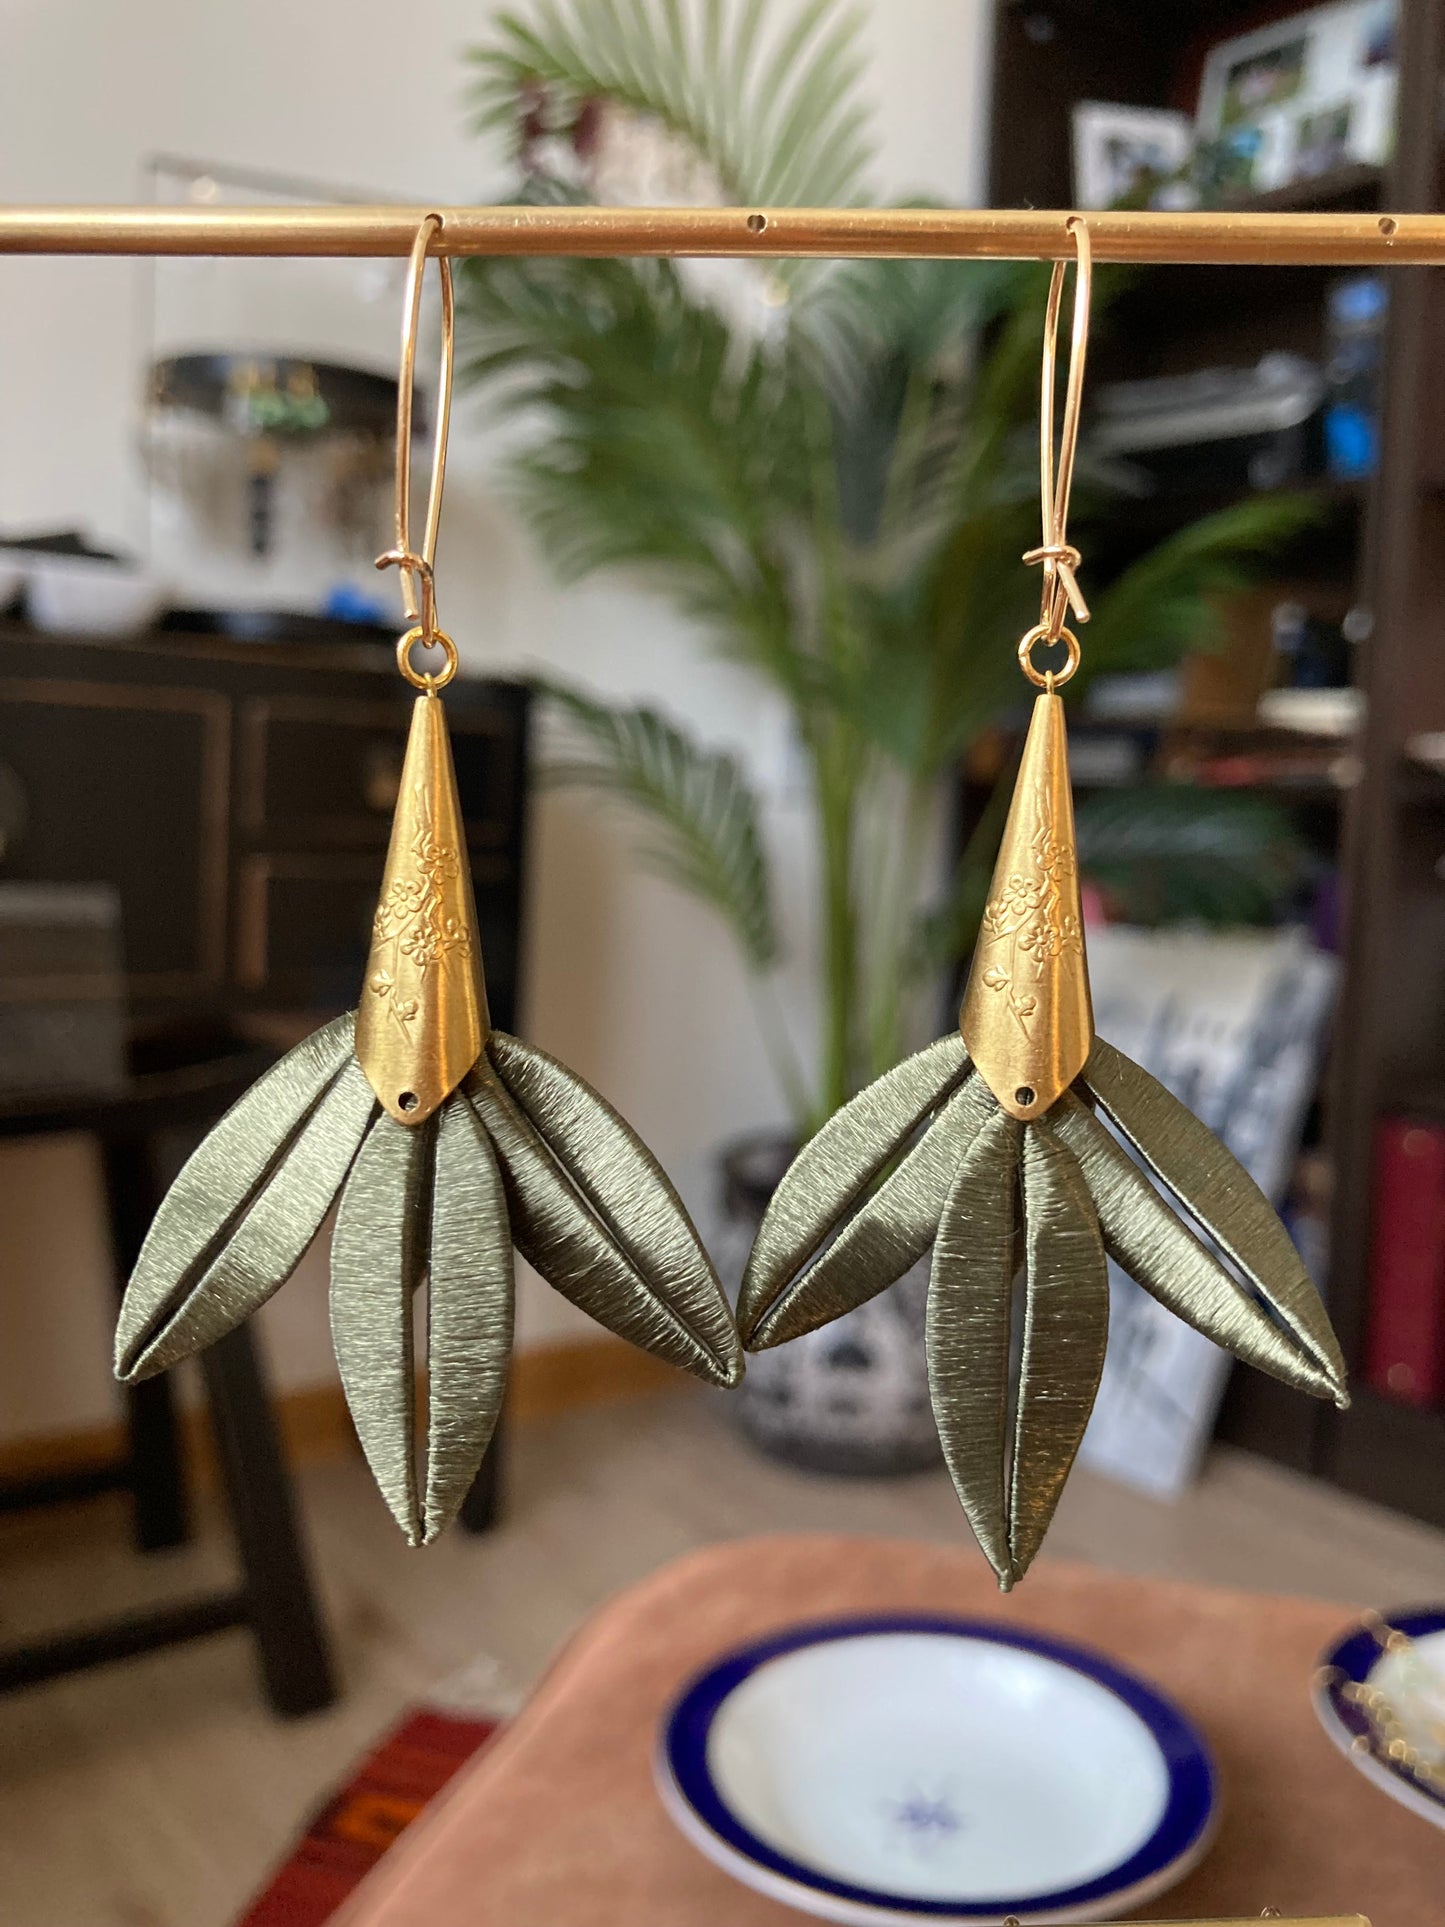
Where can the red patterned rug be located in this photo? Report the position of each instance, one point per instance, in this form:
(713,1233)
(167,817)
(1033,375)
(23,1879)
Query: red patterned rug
(347,1837)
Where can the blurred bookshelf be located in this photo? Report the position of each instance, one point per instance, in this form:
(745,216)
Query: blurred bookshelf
(1380,551)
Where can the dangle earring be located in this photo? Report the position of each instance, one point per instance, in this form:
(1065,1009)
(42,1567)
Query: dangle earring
(990,1146)
(447,1141)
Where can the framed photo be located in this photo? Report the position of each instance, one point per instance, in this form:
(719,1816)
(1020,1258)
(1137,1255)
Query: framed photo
(1298,99)
(1125,156)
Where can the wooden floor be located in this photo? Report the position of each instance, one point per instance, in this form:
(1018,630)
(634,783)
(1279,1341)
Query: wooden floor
(158,1793)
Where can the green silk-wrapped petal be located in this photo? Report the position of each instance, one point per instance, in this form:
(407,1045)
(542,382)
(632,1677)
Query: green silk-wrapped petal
(1220,1195)
(1066,1329)
(248,1202)
(594,1213)
(1154,1245)
(836,1167)
(378,1258)
(888,1233)
(423,1203)
(970,1300)
(469,1310)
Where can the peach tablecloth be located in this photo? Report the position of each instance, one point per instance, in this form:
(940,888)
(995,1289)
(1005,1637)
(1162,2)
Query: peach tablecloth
(557,1823)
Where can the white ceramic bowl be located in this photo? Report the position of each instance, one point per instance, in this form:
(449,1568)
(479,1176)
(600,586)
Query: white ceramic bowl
(889,1771)
(70,596)
(1354,1658)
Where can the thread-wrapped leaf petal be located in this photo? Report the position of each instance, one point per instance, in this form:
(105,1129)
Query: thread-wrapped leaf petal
(469,1310)
(889,1232)
(1154,1245)
(1066,1330)
(1219,1194)
(836,1168)
(378,1258)
(594,1213)
(970,1300)
(249,1201)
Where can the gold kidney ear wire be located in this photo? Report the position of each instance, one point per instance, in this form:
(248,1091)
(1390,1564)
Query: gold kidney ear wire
(1058,557)
(418,566)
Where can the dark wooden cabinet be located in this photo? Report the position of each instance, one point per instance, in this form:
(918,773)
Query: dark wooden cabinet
(238,796)
(1385,553)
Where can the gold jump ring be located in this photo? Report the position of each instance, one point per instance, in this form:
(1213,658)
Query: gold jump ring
(1049,679)
(421,678)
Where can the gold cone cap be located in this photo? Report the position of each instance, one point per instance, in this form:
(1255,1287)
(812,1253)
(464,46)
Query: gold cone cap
(422,1020)
(1026,1018)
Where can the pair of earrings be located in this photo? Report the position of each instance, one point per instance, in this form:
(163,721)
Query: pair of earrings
(449,1143)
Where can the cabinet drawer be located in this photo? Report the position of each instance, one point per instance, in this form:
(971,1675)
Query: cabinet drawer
(126,784)
(316,773)
(304,927)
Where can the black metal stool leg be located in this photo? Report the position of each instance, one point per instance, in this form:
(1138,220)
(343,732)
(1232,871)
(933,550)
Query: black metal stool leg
(156,1474)
(281,1605)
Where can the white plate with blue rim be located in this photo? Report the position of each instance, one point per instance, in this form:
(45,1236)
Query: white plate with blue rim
(922,1769)
(1357,1658)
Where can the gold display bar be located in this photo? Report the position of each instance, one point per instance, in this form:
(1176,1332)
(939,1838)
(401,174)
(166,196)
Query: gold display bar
(1339,240)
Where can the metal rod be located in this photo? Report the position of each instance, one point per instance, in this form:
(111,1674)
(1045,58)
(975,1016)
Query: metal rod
(1343,240)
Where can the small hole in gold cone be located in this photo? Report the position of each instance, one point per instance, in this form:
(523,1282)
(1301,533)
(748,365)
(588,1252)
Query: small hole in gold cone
(408,1101)
(1024,1096)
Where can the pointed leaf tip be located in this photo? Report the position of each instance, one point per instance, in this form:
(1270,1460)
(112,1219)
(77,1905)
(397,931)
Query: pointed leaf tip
(1152,1243)
(595,1214)
(832,1171)
(889,1232)
(234,1225)
(1220,1195)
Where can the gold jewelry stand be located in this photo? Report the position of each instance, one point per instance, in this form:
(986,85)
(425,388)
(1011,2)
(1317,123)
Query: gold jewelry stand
(1338,240)
(1244,240)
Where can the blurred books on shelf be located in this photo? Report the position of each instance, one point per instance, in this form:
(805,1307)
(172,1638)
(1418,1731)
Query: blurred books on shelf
(1234,1023)
(1405,1339)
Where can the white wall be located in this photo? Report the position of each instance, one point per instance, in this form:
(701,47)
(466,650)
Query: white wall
(634,987)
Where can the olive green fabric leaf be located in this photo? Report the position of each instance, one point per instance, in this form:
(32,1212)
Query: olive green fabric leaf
(249,1201)
(1154,1245)
(970,1301)
(378,1257)
(1066,1329)
(594,1213)
(469,1310)
(890,1231)
(836,1167)
(1220,1195)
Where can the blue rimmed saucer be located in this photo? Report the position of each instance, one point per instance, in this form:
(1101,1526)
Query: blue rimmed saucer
(902,1770)
(1351,1661)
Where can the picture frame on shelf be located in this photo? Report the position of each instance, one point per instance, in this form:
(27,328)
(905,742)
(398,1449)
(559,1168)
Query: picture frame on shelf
(1129,156)
(1298,100)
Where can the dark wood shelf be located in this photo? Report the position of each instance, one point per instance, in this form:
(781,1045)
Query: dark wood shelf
(1354,187)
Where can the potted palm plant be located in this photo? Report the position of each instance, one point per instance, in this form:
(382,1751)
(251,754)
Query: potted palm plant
(831,467)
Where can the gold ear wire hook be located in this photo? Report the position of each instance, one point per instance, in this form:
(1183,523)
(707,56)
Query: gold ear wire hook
(417,566)
(1060,559)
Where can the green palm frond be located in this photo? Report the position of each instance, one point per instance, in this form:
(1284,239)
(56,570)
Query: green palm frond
(1165,604)
(1177,852)
(702,811)
(671,447)
(776,118)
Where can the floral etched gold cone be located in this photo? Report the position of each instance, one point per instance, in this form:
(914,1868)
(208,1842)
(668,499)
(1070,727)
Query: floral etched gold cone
(446,1143)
